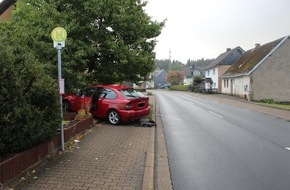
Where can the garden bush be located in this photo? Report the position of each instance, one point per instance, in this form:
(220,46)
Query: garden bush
(179,87)
(268,101)
(30,112)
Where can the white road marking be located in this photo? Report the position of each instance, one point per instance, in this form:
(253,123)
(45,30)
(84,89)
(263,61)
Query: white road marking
(216,114)
(287,148)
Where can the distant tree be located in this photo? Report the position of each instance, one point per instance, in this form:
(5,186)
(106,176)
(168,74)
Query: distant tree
(199,62)
(175,77)
(163,64)
(176,66)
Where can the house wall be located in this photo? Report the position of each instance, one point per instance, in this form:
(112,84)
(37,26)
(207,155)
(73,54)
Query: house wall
(220,71)
(239,86)
(272,78)
(187,80)
(213,74)
(226,86)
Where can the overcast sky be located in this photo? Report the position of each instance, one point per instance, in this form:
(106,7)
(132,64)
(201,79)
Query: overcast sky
(198,29)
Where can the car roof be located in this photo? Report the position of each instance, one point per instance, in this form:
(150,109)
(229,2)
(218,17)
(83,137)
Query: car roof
(114,86)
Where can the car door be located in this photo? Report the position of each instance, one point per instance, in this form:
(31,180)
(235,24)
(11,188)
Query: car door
(84,98)
(106,100)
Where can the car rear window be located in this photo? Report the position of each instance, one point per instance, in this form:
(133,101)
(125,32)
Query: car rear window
(130,93)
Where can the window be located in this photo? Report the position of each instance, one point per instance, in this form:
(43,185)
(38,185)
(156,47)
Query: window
(213,71)
(108,94)
(245,88)
(129,93)
(207,73)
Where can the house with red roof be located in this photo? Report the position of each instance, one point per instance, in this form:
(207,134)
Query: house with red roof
(261,73)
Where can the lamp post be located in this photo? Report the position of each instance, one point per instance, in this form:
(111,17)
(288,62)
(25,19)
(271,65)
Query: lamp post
(59,36)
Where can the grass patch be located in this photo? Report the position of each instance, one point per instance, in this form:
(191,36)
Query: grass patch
(276,105)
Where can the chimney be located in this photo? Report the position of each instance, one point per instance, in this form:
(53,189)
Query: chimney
(229,49)
(257,45)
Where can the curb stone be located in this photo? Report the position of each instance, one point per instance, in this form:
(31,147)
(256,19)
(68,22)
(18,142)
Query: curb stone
(148,178)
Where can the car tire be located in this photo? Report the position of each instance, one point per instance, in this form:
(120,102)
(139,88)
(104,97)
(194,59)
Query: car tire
(66,106)
(114,117)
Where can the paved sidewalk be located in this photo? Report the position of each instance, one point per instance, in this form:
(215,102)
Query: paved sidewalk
(107,157)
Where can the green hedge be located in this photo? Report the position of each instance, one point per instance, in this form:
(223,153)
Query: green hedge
(179,87)
(29,112)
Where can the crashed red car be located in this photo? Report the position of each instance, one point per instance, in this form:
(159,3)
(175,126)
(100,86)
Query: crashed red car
(116,103)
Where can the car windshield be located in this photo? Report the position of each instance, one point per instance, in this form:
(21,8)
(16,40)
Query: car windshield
(130,92)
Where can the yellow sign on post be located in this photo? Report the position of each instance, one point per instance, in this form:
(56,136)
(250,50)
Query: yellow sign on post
(59,36)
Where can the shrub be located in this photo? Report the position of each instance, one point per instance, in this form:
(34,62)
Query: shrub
(30,112)
(267,101)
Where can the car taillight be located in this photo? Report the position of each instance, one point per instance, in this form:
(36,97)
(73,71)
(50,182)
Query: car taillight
(129,106)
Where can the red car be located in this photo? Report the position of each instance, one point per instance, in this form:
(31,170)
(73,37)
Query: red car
(116,103)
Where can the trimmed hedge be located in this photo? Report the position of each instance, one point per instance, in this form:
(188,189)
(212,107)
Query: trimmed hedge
(179,87)
(30,112)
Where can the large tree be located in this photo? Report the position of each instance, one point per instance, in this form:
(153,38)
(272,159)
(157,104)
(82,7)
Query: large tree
(108,40)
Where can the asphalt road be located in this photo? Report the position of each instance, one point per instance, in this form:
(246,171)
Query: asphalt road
(222,147)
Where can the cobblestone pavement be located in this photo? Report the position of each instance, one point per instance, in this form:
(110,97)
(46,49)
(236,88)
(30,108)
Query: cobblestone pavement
(109,157)
(106,158)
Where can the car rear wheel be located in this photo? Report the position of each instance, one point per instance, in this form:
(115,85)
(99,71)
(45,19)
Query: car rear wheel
(114,117)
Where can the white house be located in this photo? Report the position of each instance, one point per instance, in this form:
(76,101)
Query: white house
(261,73)
(218,67)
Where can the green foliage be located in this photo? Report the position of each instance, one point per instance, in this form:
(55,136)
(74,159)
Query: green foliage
(277,105)
(197,80)
(199,62)
(179,87)
(163,64)
(29,112)
(108,40)
(268,101)
(176,66)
